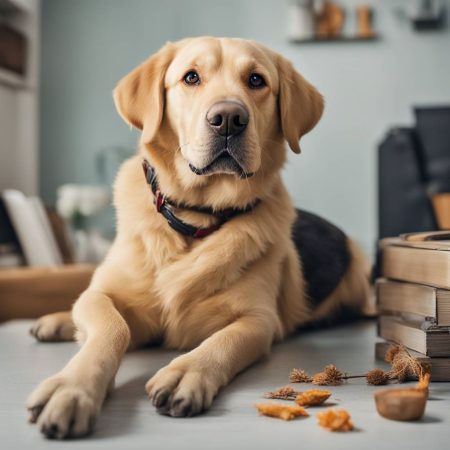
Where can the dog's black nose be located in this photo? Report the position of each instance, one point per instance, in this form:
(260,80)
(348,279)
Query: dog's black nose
(227,118)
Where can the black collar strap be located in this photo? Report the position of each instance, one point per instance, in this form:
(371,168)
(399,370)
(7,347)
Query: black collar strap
(165,207)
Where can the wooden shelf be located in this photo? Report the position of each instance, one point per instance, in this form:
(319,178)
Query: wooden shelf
(11,79)
(342,39)
(29,292)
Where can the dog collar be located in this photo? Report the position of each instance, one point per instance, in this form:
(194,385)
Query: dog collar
(165,206)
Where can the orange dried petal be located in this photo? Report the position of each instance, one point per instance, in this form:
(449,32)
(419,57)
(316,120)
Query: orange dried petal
(424,383)
(281,411)
(313,397)
(335,420)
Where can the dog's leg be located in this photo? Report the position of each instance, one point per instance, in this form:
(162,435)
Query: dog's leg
(68,403)
(188,385)
(56,327)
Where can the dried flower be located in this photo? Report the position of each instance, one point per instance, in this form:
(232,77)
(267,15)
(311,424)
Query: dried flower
(399,369)
(331,376)
(313,397)
(335,420)
(281,411)
(426,368)
(284,393)
(391,352)
(299,376)
(424,383)
(402,363)
(377,377)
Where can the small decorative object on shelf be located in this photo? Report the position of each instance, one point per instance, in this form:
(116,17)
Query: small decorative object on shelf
(313,21)
(302,20)
(428,15)
(441,208)
(364,16)
(13,49)
(330,20)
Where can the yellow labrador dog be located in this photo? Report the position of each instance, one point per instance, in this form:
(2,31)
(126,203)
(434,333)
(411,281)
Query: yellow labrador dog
(210,255)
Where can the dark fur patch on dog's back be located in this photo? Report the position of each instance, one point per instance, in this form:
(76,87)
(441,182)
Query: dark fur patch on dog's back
(323,250)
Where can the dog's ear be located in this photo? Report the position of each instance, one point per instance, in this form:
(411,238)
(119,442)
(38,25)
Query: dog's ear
(300,104)
(139,96)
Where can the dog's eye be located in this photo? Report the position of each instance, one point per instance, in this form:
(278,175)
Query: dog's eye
(192,77)
(256,81)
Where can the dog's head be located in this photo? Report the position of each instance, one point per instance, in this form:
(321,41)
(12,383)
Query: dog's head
(219,107)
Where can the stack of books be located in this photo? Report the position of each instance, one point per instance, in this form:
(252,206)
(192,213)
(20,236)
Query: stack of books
(413,298)
(29,234)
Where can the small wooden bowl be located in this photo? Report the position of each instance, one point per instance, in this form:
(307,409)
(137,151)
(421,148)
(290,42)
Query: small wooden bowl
(401,404)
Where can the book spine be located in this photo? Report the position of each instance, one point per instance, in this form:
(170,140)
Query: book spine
(392,329)
(443,308)
(407,298)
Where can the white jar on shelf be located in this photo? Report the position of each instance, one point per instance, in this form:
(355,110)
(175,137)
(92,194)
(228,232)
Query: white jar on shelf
(301,20)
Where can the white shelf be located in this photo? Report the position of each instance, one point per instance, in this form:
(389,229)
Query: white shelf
(19,151)
(11,79)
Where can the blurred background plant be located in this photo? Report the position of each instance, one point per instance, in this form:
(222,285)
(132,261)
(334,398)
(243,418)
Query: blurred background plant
(87,208)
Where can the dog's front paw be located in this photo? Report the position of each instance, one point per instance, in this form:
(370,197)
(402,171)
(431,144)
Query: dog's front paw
(55,327)
(62,408)
(181,392)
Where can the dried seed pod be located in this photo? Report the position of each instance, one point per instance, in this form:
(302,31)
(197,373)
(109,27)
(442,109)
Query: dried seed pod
(331,376)
(313,397)
(403,365)
(281,411)
(284,393)
(299,376)
(426,367)
(377,377)
(335,420)
(391,352)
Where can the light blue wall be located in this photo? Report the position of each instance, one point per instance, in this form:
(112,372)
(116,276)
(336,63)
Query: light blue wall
(88,45)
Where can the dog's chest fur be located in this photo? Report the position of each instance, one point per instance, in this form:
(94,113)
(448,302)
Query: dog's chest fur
(188,285)
(174,290)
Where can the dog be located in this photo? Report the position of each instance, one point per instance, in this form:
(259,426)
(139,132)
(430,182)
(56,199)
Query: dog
(210,255)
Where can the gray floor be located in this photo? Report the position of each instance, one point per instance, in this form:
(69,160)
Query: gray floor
(129,421)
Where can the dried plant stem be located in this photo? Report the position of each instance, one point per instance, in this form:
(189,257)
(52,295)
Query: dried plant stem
(402,365)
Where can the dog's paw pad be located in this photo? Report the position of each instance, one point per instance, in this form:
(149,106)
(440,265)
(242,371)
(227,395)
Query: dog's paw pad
(159,399)
(182,408)
(62,408)
(180,393)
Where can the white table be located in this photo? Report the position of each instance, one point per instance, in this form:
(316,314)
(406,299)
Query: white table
(128,420)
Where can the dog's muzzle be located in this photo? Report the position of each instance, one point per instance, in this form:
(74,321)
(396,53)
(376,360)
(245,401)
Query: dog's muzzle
(227,121)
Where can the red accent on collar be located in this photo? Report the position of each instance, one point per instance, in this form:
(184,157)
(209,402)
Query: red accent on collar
(203,232)
(159,201)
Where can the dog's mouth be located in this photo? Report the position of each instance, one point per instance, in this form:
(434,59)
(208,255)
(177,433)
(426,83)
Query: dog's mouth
(225,163)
